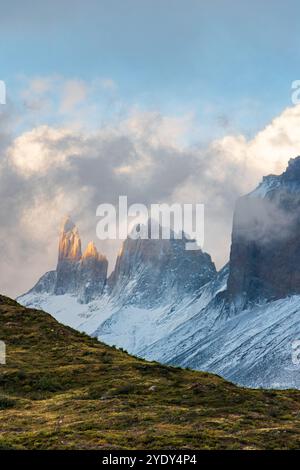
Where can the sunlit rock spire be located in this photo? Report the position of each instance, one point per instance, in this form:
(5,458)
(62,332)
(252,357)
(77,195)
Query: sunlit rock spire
(69,255)
(69,242)
(82,275)
(91,251)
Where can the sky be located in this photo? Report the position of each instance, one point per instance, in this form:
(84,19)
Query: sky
(161,100)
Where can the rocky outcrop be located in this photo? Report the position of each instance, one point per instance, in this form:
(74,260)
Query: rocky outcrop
(150,272)
(46,284)
(81,275)
(265,251)
(92,274)
(69,242)
(69,255)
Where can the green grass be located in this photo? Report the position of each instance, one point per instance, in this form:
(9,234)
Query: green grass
(61,389)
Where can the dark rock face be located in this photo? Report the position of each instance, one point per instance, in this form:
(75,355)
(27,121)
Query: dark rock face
(148,271)
(46,283)
(91,274)
(265,251)
(67,277)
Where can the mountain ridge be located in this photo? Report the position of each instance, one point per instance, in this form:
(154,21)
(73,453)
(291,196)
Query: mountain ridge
(61,389)
(240,322)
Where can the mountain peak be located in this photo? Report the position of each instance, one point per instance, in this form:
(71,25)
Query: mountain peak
(91,251)
(67,225)
(144,229)
(69,242)
(150,271)
(289,180)
(293,170)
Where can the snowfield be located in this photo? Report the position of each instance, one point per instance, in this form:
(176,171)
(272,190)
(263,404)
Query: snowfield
(252,348)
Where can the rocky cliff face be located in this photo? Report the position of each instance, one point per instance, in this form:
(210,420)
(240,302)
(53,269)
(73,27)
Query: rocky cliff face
(150,272)
(77,274)
(167,304)
(69,256)
(265,251)
(92,274)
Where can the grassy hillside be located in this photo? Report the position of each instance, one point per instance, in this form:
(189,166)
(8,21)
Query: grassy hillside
(63,390)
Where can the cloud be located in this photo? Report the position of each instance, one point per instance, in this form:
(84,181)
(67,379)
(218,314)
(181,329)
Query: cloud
(232,166)
(270,150)
(267,221)
(74,93)
(41,150)
(58,99)
(50,171)
(36,93)
(38,86)
(156,129)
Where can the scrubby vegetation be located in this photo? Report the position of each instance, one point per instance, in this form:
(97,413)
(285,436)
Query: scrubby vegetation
(64,390)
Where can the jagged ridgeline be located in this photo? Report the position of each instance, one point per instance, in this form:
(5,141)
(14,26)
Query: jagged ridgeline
(171,305)
(61,389)
(152,268)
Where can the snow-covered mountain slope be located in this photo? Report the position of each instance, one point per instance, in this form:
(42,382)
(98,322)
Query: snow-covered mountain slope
(156,286)
(151,273)
(254,348)
(134,328)
(167,304)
